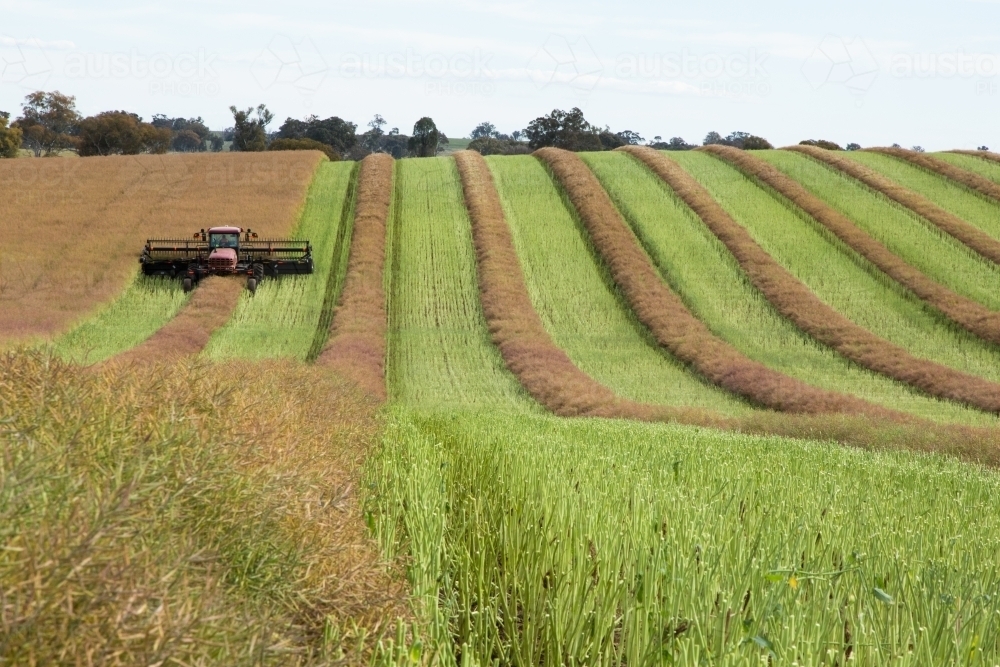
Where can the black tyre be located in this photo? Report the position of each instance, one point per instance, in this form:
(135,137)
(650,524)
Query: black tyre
(188,284)
(252,285)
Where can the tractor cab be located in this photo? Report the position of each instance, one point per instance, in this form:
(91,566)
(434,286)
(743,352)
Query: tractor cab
(224,237)
(223,248)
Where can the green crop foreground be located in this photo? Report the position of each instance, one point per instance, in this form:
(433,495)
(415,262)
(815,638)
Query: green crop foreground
(440,352)
(975,209)
(545,541)
(575,297)
(839,277)
(290,316)
(147,304)
(699,268)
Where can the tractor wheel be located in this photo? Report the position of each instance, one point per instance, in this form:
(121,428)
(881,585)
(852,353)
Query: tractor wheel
(252,285)
(188,285)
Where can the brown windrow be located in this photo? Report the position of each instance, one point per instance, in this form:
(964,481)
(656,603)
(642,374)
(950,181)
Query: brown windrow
(971,180)
(973,237)
(663,312)
(989,156)
(969,314)
(210,307)
(356,348)
(797,303)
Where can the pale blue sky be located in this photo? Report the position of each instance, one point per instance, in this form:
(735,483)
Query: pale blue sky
(923,73)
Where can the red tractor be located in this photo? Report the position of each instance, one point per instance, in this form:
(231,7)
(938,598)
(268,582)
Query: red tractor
(222,251)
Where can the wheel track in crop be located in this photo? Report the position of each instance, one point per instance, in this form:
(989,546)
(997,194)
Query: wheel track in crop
(356,348)
(971,315)
(797,303)
(951,224)
(674,326)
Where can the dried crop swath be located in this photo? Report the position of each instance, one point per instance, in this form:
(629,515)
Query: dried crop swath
(709,280)
(669,320)
(835,295)
(620,541)
(440,352)
(147,304)
(575,297)
(945,260)
(969,179)
(983,163)
(209,308)
(953,209)
(356,348)
(73,228)
(282,319)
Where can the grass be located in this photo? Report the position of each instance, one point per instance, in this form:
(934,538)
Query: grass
(975,209)
(922,245)
(707,277)
(837,276)
(184,514)
(574,295)
(145,306)
(546,541)
(74,228)
(984,168)
(285,315)
(440,352)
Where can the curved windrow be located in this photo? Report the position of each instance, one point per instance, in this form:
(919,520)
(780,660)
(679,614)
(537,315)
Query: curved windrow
(699,267)
(969,179)
(966,312)
(669,320)
(795,301)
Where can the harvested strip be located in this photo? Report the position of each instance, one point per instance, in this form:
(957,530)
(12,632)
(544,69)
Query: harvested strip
(671,323)
(970,314)
(983,186)
(210,306)
(978,240)
(356,348)
(984,155)
(544,369)
(796,302)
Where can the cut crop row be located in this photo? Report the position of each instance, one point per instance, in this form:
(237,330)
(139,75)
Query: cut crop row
(971,180)
(666,316)
(983,243)
(796,302)
(706,276)
(287,314)
(579,304)
(356,348)
(970,314)
(545,370)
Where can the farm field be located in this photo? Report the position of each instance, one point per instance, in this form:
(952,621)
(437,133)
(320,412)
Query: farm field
(278,512)
(976,165)
(922,245)
(970,207)
(840,278)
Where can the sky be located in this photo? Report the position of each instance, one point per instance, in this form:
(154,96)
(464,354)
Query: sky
(874,73)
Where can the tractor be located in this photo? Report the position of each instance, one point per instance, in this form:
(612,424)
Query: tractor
(223,251)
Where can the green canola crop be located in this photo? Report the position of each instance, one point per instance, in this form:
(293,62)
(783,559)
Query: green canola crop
(983,167)
(440,353)
(707,277)
(578,303)
(535,540)
(838,276)
(137,313)
(289,316)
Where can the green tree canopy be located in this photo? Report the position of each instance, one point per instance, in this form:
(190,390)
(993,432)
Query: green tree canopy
(120,133)
(10,137)
(49,122)
(424,141)
(249,132)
